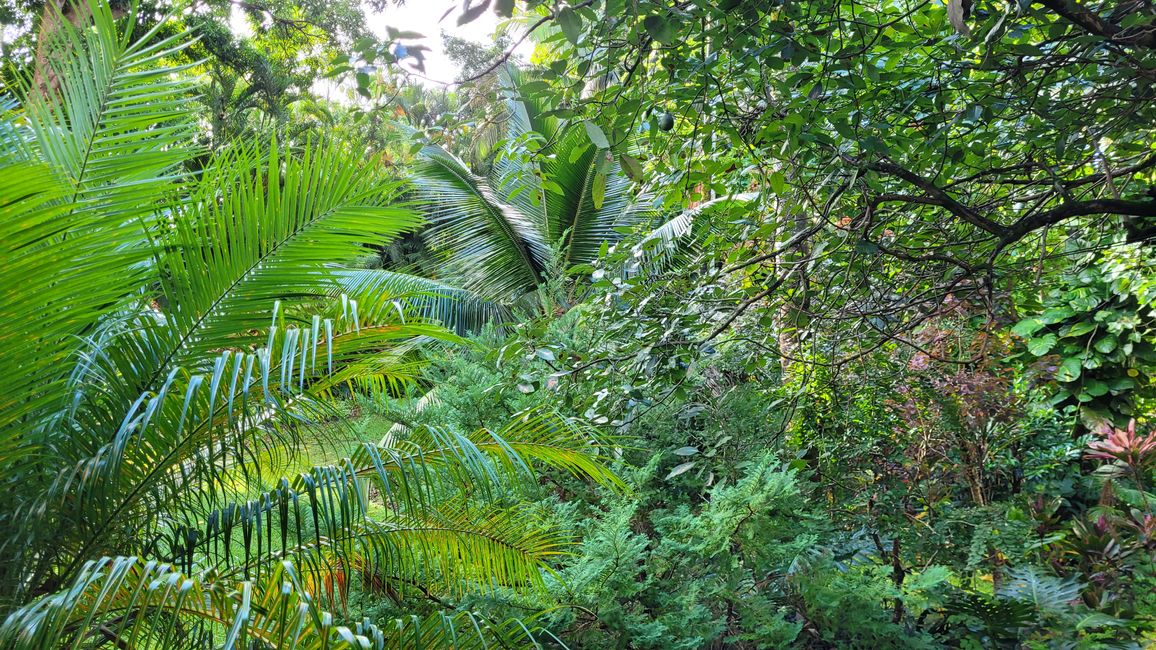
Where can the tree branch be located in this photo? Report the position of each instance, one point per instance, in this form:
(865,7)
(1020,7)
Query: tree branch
(1032,222)
(505,56)
(935,195)
(1091,22)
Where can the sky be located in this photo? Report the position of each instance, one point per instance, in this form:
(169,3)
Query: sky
(425,17)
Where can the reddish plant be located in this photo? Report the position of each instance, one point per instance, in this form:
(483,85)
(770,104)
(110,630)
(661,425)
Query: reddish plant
(1124,446)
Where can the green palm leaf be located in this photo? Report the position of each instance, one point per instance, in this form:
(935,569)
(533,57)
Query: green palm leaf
(457,309)
(80,193)
(162,333)
(496,250)
(128,602)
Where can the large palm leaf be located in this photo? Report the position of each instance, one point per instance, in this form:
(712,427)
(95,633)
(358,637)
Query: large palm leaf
(533,216)
(82,168)
(161,332)
(157,605)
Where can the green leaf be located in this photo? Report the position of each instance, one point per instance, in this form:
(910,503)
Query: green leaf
(1069,369)
(686,451)
(1096,388)
(598,190)
(596,135)
(1105,345)
(570,23)
(1056,314)
(1078,329)
(577,152)
(1042,345)
(473,12)
(504,8)
(778,182)
(1027,327)
(1121,384)
(659,29)
(681,469)
(632,167)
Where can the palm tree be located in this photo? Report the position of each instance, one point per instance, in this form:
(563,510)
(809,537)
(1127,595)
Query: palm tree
(535,214)
(162,333)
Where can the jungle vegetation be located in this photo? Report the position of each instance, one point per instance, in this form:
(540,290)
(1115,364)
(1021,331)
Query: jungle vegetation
(666,324)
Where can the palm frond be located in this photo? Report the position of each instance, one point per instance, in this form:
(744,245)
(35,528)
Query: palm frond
(126,602)
(413,296)
(680,237)
(580,222)
(118,465)
(425,511)
(495,249)
(1047,593)
(267,225)
(81,184)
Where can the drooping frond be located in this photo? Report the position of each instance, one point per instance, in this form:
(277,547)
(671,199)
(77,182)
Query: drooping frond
(544,207)
(682,234)
(127,602)
(597,203)
(195,427)
(81,180)
(454,308)
(166,335)
(267,225)
(494,249)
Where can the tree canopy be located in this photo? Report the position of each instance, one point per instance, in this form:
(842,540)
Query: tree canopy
(667,324)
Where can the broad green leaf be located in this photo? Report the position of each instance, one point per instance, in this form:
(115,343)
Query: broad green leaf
(570,23)
(596,135)
(1105,345)
(778,182)
(632,167)
(1027,327)
(1078,329)
(1042,345)
(1069,369)
(598,190)
(659,28)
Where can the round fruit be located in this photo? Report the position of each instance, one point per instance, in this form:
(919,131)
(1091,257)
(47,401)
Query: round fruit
(666,121)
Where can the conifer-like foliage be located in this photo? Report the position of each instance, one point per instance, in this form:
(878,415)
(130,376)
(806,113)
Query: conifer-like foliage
(166,334)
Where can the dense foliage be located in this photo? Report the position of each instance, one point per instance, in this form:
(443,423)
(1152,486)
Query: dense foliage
(740,324)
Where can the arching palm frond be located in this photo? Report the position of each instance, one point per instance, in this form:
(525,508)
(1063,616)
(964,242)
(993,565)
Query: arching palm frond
(454,308)
(534,216)
(162,332)
(597,205)
(680,237)
(427,510)
(493,249)
(129,602)
(82,175)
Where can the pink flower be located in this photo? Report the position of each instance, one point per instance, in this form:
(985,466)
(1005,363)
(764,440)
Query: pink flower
(1124,445)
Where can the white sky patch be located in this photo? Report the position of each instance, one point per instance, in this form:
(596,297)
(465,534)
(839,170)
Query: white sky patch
(425,17)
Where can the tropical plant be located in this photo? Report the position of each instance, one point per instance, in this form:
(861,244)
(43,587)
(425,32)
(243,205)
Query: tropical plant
(551,200)
(166,334)
(1093,334)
